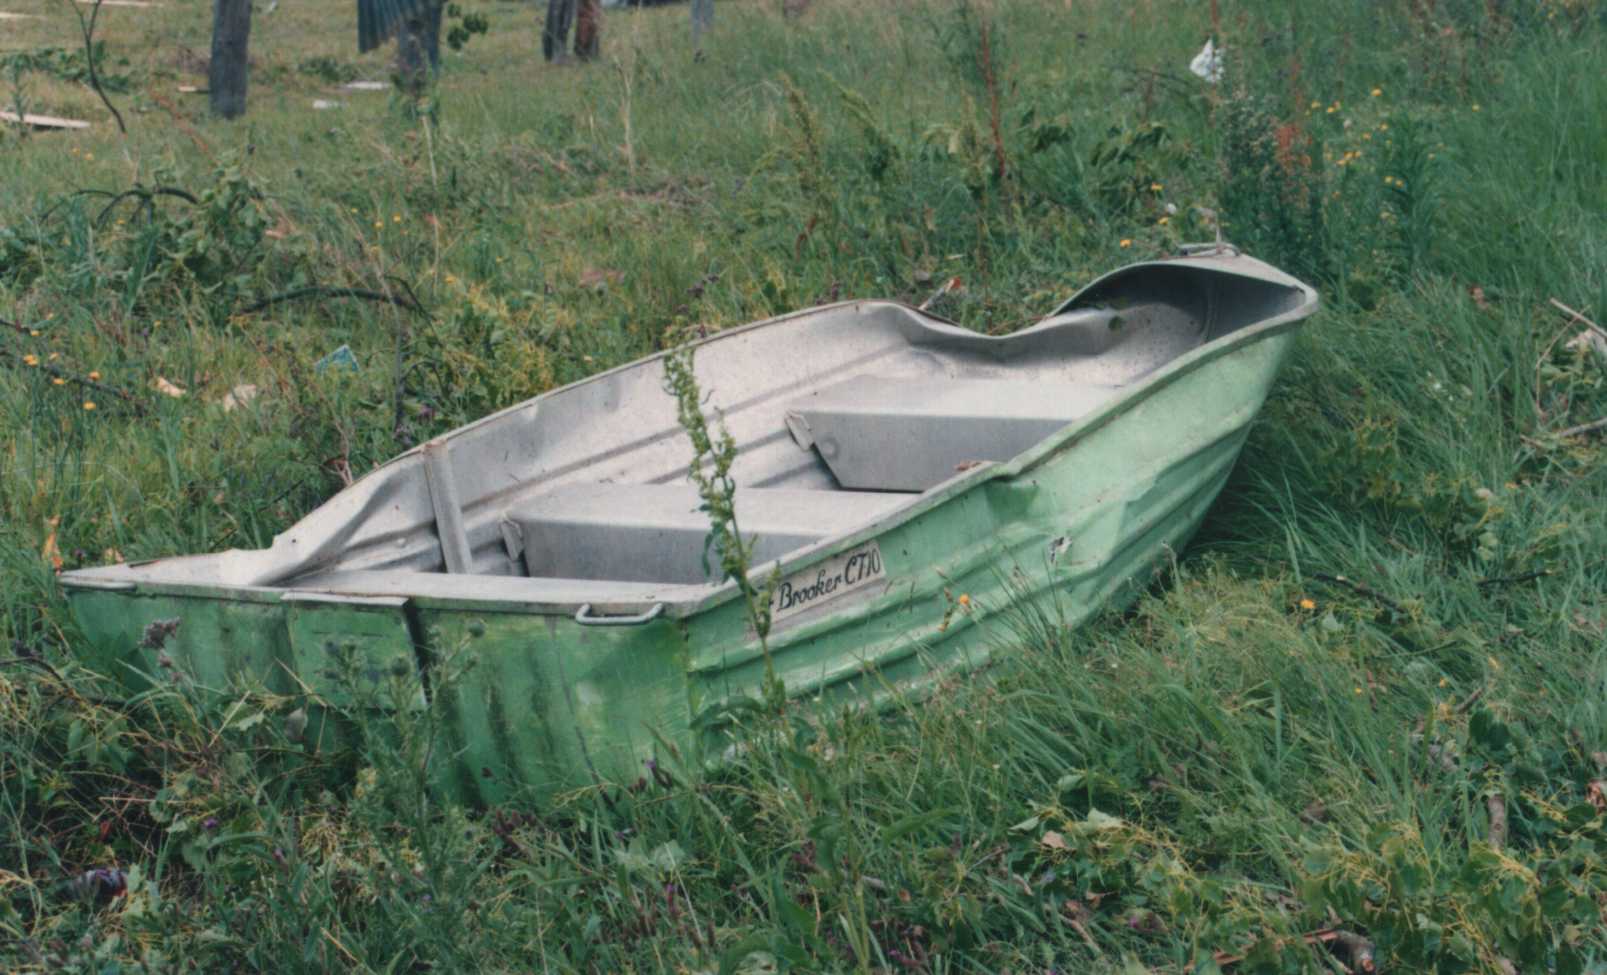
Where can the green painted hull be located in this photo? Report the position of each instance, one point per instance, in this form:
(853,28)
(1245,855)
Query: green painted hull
(1076,525)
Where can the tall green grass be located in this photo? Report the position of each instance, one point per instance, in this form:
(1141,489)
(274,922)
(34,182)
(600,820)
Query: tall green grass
(1394,614)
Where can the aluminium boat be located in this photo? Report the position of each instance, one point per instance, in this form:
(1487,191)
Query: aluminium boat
(902,480)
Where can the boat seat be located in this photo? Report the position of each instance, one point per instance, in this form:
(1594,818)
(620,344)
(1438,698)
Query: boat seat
(657,532)
(881,434)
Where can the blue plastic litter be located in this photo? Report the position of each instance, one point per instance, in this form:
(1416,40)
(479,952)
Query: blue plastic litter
(341,358)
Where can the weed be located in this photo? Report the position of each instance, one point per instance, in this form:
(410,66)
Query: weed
(329,70)
(712,457)
(66,65)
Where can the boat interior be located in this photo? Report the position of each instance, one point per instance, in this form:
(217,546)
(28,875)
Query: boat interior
(842,417)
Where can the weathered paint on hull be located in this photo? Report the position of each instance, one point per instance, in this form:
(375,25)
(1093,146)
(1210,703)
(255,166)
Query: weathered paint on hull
(1075,526)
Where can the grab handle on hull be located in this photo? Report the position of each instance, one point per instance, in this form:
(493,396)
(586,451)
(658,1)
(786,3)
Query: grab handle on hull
(584,618)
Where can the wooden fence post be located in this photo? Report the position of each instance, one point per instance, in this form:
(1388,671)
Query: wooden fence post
(702,23)
(418,47)
(555,34)
(588,29)
(228,70)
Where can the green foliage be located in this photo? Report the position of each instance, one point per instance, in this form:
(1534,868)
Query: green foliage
(149,245)
(67,65)
(1127,163)
(1273,195)
(465,25)
(882,155)
(328,69)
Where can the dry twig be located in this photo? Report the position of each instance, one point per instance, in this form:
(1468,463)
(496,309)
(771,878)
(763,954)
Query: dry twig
(1359,590)
(130,400)
(1582,428)
(320,291)
(1579,316)
(87,26)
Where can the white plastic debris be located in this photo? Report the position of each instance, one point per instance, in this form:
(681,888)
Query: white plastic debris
(324,105)
(1588,340)
(1208,63)
(239,396)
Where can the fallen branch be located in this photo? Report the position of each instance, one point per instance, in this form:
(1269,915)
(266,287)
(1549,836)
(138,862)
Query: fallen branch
(183,123)
(1590,427)
(1515,580)
(147,195)
(321,291)
(1359,590)
(1579,316)
(1574,315)
(136,405)
(1355,951)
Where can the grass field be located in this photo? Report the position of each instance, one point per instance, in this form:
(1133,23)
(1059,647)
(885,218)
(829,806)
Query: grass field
(1363,723)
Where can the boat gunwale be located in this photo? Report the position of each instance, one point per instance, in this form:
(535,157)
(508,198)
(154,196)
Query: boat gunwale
(697,599)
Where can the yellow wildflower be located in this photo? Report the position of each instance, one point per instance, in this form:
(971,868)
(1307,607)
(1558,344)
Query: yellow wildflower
(1164,221)
(1126,242)
(58,381)
(31,359)
(94,374)
(89,404)
(1308,603)
(1377,92)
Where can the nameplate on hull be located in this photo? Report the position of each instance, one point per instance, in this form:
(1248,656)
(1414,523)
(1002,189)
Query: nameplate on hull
(840,575)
